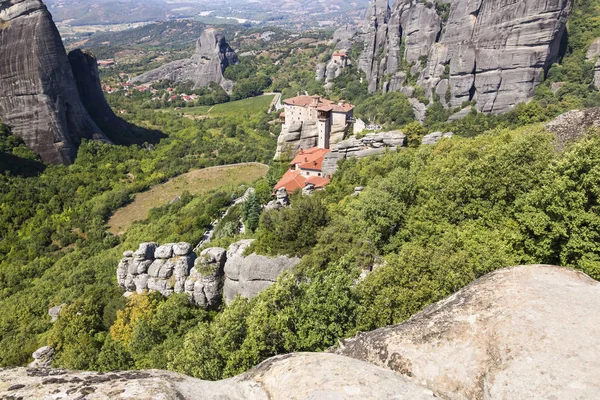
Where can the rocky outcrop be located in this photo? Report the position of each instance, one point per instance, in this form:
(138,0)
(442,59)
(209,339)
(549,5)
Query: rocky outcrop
(488,51)
(593,54)
(87,78)
(155,268)
(573,125)
(213,55)
(54,312)
(38,96)
(42,357)
(433,138)
(344,36)
(214,275)
(247,276)
(369,145)
(518,333)
(294,376)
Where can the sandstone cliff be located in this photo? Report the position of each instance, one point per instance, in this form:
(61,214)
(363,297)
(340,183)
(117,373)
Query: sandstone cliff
(518,333)
(213,55)
(527,332)
(87,78)
(38,95)
(490,51)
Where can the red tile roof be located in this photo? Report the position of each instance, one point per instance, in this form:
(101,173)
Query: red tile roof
(308,101)
(310,159)
(293,180)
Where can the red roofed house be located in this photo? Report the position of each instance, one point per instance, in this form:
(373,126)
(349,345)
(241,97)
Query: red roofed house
(340,58)
(305,169)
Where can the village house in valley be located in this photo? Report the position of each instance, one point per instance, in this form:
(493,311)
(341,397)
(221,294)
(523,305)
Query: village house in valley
(311,124)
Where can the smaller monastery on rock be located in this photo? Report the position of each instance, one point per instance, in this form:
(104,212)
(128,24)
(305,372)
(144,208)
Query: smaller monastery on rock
(311,124)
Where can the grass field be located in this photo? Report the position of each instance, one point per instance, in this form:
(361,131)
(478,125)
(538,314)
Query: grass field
(196,182)
(249,106)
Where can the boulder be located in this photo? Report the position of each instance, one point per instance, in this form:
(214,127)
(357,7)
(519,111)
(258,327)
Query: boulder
(182,249)
(517,333)
(164,252)
(146,251)
(54,312)
(213,55)
(435,137)
(293,376)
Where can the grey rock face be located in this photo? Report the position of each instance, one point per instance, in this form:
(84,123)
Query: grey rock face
(369,145)
(206,279)
(38,96)
(488,51)
(85,70)
(573,125)
(54,312)
(435,137)
(592,55)
(174,268)
(42,357)
(213,55)
(247,276)
(293,376)
(522,332)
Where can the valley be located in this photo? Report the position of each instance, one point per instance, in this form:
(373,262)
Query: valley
(313,197)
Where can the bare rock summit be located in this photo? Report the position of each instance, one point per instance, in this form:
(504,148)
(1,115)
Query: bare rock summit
(213,55)
(528,332)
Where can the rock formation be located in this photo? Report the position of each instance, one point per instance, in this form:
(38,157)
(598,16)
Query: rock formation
(38,95)
(369,145)
(87,78)
(247,276)
(529,332)
(573,125)
(42,357)
(213,55)
(593,54)
(214,275)
(518,333)
(488,51)
(370,61)
(435,137)
(293,376)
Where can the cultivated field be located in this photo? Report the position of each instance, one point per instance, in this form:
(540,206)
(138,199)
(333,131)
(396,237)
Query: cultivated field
(251,106)
(196,182)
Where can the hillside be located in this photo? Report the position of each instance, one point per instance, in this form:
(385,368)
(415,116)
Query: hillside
(410,244)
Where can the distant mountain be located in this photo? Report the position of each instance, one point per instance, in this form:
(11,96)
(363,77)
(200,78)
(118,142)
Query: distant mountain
(307,12)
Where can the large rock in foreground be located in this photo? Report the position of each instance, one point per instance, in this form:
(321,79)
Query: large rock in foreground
(38,95)
(294,376)
(213,55)
(520,333)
